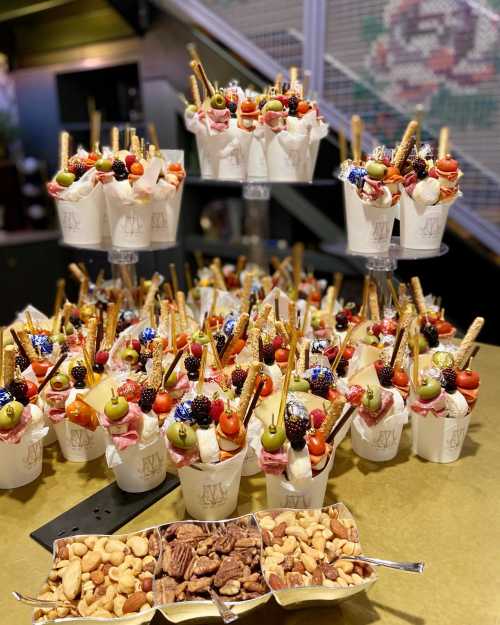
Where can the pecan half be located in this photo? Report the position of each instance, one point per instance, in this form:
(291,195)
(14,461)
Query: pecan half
(179,560)
(224,544)
(205,566)
(230,568)
(200,585)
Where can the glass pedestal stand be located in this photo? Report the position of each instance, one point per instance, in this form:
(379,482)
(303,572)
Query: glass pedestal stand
(257,198)
(381,266)
(123,266)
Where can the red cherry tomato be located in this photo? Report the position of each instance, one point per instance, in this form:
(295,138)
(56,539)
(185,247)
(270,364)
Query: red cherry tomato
(238,346)
(281,355)
(333,394)
(32,389)
(181,340)
(229,423)
(267,389)
(40,367)
(316,443)
(163,403)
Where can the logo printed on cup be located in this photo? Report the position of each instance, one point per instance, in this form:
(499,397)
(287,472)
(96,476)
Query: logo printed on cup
(381,231)
(33,455)
(296,501)
(213,494)
(386,439)
(159,220)
(431,227)
(151,466)
(80,439)
(70,221)
(132,225)
(456,438)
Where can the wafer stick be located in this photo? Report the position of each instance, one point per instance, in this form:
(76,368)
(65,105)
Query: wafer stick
(340,424)
(364,305)
(63,150)
(404,148)
(91,338)
(58,300)
(88,365)
(173,330)
(373,302)
(469,338)
(248,388)
(115,139)
(253,342)
(246,291)
(218,277)
(444,141)
(215,353)
(333,412)
(418,295)
(9,364)
(416,356)
(155,374)
(149,300)
(24,340)
(356,132)
(263,316)
(181,307)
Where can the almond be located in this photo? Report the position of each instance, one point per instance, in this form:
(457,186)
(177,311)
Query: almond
(135,601)
(147,584)
(72,579)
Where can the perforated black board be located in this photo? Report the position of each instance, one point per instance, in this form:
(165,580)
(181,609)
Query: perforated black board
(102,513)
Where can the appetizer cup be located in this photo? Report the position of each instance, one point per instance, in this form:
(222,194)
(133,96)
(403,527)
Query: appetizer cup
(210,491)
(422,227)
(21,463)
(438,439)
(139,468)
(379,442)
(369,228)
(79,444)
(82,220)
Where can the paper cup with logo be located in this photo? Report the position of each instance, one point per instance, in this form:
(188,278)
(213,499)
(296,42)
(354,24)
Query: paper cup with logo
(282,493)
(379,442)
(139,468)
(21,463)
(174,201)
(79,444)
(82,220)
(130,220)
(422,227)
(369,228)
(438,439)
(161,221)
(285,155)
(317,129)
(232,148)
(251,464)
(208,166)
(210,491)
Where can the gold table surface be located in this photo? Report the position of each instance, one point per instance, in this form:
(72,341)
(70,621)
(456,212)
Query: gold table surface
(406,509)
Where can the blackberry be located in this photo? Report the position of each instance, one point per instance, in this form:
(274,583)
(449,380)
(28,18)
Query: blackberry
(148,396)
(78,169)
(385,374)
(342,367)
(238,377)
(293,103)
(320,386)
(142,360)
(420,167)
(449,379)
(431,334)
(193,375)
(75,321)
(19,390)
(262,103)
(268,353)
(233,107)
(119,169)
(78,373)
(295,429)
(120,326)
(220,341)
(192,365)
(204,421)
(342,321)
(201,406)
(64,348)
(23,362)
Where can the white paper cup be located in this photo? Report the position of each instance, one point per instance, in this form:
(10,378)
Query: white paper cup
(438,439)
(229,152)
(251,463)
(51,436)
(308,494)
(257,164)
(208,164)
(380,442)
(421,227)
(79,444)
(130,223)
(142,469)
(82,221)
(210,491)
(284,165)
(20,464)
(369,228)
(161,222)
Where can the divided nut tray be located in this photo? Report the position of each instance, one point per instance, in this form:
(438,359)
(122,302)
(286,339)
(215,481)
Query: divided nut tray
(283,566)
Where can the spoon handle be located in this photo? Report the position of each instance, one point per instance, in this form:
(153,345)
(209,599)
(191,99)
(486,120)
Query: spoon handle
(409,567)
(226,614)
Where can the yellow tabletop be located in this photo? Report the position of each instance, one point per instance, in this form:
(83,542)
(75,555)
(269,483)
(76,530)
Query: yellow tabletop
(406,509)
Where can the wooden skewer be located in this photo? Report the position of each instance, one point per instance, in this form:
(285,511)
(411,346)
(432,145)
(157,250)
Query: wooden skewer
(52,373)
